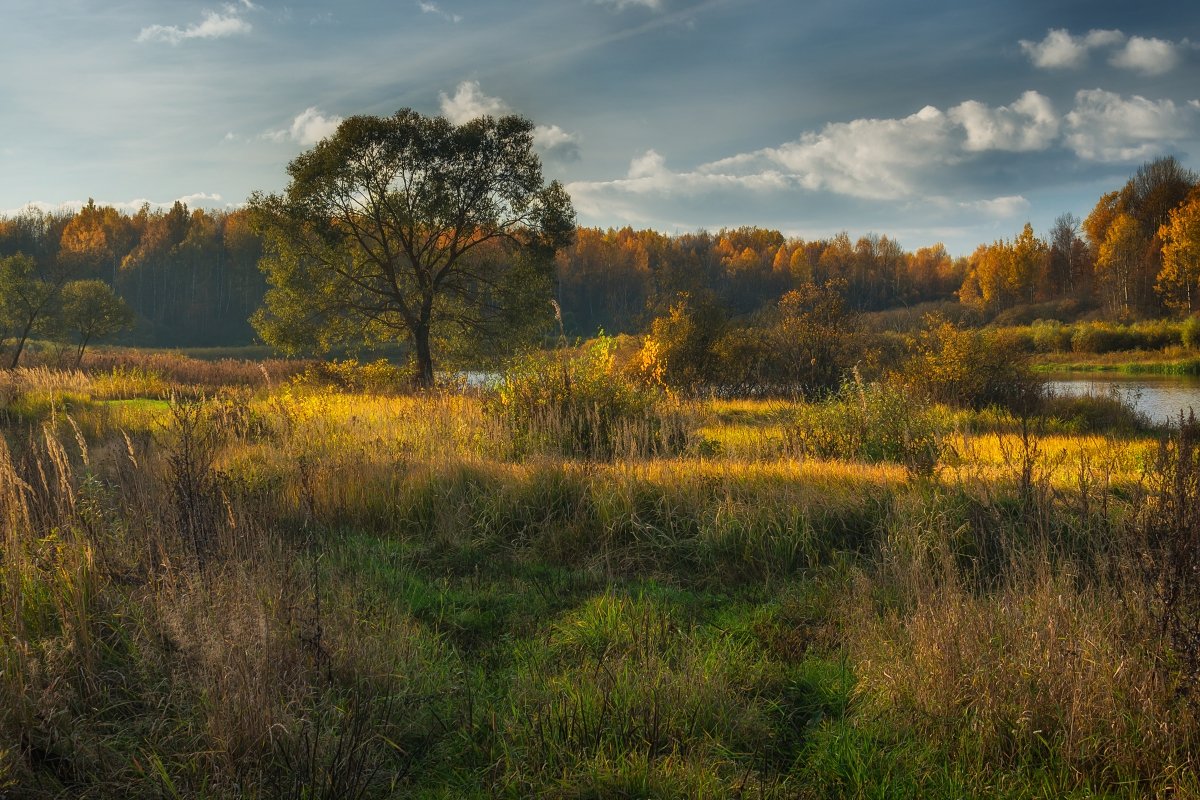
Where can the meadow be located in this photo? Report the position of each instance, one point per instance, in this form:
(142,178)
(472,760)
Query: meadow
(263,580)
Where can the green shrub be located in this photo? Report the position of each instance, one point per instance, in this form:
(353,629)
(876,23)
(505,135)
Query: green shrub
(577,403)
(1189,334)
(872,422)
(1104,413)
(1105,337)
(1050,337)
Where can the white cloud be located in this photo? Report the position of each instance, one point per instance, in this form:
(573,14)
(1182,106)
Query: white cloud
(906,162)
(1106,127)
(556,143)
(999,207)
(1061,50)
(1147,56)
(1028,124)
(866,158)
(309,127)
(195,200)
(433,8)
(470,102)
(214,25)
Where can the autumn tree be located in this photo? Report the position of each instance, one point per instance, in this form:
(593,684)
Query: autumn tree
(1179,278)
(407,227)
(1068,271)
(95,240)
(1120,260)
(1123,232)
(812,335)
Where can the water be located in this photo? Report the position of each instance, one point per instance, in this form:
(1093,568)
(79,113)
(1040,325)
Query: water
(1158,397)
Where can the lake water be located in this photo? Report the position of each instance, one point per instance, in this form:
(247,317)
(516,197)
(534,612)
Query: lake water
(1158,397)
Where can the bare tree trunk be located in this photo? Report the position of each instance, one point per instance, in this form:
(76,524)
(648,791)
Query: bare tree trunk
(424,375)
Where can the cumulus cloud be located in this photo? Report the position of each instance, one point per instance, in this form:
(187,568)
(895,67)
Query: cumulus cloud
(556,143)
(433,8)
(1027,125)
(866,158)
(213,25)
(469,102)
(1147,56)
(911,160)
(1061,50)
(309,127)
(1104,126)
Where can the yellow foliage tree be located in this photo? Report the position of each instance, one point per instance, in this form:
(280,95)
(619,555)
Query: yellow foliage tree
(1179,279)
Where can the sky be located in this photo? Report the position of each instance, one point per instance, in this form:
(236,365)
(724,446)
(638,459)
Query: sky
(952,121)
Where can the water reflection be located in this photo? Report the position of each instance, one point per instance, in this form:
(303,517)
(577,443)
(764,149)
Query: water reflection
(1159,398)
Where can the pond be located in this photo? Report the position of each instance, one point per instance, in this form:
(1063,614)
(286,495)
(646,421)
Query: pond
(1159,397)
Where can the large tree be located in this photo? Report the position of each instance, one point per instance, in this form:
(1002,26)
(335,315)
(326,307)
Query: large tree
(410,228)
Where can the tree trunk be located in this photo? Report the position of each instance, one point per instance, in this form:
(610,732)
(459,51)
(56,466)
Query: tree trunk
(16,359)
(424,374)
(79,353)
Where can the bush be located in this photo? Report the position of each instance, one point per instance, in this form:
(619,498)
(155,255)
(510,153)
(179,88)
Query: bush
(577,403)
(1103,337)
(1103,413)
(377,377)
(1050,337)
(1189,334)
(973,369)
(871,422)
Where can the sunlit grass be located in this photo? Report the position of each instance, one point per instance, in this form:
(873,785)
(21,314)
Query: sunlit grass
(237,588)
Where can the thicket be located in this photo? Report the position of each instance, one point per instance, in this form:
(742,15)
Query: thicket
(579,403)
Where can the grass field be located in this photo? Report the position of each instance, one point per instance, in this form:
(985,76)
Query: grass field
(217,585)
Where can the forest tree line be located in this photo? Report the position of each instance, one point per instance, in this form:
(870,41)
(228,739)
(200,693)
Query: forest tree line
(191,277)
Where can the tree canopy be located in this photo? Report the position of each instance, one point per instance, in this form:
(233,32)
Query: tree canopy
(411,228)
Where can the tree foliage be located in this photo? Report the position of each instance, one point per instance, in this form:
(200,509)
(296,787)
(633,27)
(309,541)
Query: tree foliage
(27,302)
(410,228)
(1179,279)
(90,310)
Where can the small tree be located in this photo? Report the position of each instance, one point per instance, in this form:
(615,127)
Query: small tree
(813,336)
(91,311)
(27,302)
(678,351)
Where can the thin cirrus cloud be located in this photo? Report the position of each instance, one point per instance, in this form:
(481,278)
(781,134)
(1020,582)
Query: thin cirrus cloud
(433,8)
(1061,50)
(621,5)
(469,102)
(909,158)
(213,25)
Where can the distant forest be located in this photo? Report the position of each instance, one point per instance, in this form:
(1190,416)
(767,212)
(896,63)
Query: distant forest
(191,275)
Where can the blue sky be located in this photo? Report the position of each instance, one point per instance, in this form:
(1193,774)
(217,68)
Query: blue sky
(926,121)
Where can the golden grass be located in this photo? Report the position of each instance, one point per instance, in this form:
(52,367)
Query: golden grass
(974,619)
